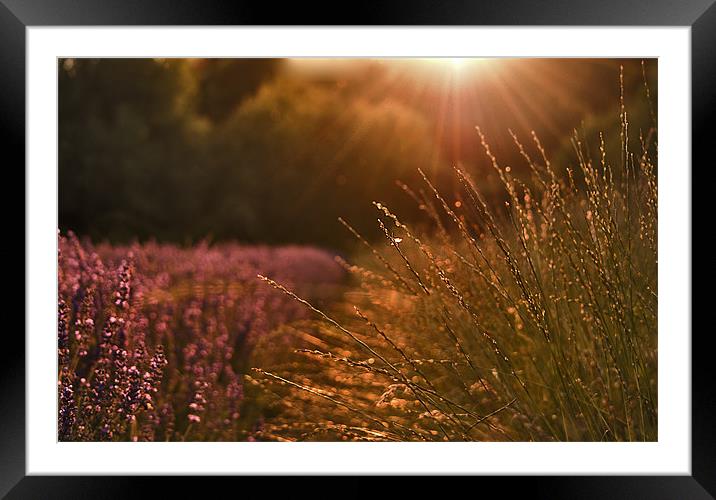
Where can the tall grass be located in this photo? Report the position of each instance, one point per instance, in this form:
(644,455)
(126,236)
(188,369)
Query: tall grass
(535,320)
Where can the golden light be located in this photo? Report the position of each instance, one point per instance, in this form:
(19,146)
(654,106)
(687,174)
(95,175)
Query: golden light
(456,63)
(443,63)
(454,67)
(462,67)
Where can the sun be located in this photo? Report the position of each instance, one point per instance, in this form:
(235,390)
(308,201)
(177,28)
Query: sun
(454,65)
(446,62)
(456,62)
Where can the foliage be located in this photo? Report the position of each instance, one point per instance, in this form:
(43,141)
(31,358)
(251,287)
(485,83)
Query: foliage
(150,149)
(310,155)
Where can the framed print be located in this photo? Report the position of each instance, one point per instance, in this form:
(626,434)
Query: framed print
(412,240)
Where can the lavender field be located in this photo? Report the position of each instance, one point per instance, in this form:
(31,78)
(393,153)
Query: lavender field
(154,340)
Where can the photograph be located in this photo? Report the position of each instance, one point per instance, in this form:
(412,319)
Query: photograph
(357,249)
(408,239)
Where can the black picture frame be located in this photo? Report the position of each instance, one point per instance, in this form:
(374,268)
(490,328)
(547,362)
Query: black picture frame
(17,15)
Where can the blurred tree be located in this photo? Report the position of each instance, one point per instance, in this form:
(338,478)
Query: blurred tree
(140,158)
(309,155)
(224,83)
(124,145)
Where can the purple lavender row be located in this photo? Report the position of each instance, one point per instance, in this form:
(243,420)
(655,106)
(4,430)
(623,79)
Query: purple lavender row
(153,340)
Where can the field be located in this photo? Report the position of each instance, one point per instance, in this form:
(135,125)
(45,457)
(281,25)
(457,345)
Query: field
(519,310)
(154,340)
